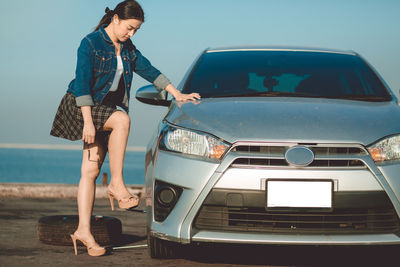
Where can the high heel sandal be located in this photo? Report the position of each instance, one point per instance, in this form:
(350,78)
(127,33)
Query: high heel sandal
(123,203)
(93,250)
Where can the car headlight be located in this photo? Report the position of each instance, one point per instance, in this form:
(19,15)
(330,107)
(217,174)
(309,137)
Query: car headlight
(193,143)
(387,149)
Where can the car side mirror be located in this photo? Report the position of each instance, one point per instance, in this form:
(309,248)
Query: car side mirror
(150,95)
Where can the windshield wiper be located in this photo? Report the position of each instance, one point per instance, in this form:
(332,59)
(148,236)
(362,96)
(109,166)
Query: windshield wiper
(294,94)
(263,94)
(365,98)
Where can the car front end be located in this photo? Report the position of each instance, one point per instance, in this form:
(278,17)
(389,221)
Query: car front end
(285,169)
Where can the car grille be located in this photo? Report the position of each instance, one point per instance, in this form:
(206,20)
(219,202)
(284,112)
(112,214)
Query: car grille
(352,213)
(258,220)
(274,155)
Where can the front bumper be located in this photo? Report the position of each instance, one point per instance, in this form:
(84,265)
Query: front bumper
(199,178)
(304,239)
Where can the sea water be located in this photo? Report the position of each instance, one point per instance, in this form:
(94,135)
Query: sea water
(60,166)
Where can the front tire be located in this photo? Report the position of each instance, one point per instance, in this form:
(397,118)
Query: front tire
(162,249)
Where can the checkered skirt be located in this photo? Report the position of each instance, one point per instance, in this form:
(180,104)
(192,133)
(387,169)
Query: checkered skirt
(68,122)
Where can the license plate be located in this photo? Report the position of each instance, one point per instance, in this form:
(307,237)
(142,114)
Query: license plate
(299,194)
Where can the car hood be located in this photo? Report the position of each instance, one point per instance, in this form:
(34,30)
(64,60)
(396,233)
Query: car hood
(283,119)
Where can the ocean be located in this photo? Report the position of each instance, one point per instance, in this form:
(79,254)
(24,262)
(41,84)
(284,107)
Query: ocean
(52,166)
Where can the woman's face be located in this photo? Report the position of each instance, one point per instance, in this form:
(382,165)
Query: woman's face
(125,29)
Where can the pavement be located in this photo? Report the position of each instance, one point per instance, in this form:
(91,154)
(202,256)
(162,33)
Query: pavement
(19,244)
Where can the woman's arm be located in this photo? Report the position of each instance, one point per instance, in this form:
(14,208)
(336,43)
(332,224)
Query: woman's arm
(89,130)
(84,74)
(147,71)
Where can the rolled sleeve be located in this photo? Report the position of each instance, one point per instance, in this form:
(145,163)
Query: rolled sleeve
(84,74)
(84,100)
(161,82)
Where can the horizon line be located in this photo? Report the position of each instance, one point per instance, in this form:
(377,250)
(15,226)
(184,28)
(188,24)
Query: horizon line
(60,147)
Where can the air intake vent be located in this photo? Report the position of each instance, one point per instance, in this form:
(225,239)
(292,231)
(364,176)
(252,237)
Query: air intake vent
(244,211)
(258,220)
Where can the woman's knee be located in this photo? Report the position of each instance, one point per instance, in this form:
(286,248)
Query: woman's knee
(90,170)
(125,119)
(119,120)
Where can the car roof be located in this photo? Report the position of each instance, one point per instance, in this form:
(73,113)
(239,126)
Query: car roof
(279,48)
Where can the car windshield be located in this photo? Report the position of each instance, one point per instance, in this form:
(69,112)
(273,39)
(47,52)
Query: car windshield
(285,73)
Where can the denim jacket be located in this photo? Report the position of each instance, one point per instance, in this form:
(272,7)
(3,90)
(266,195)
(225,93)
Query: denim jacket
(97,64)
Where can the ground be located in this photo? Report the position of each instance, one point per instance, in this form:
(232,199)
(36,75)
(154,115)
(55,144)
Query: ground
(20,246)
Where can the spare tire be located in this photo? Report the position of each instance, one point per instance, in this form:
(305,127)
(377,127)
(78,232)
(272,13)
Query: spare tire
(56,230)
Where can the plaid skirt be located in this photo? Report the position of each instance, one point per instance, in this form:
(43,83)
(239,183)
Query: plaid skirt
(68,122)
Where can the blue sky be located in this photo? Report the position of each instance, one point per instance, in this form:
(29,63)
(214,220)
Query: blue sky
(39,40)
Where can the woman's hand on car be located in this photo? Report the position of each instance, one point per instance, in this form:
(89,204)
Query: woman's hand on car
(181,97)
(186,97)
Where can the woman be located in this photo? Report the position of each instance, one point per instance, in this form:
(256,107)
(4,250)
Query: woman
(106,60)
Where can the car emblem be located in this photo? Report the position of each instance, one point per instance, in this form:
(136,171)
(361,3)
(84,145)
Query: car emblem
(299,156)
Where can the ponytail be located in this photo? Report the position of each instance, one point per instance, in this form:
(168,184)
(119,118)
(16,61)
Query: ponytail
(128,9)
(106,18)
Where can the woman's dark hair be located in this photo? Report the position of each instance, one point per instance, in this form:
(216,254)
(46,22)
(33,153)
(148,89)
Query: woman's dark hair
(128,9)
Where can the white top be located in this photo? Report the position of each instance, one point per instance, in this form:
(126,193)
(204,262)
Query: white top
(118,74)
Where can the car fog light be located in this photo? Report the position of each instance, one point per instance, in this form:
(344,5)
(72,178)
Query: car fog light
(166,196)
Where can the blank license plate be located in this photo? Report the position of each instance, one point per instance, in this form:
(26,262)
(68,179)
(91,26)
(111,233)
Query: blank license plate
(299,194)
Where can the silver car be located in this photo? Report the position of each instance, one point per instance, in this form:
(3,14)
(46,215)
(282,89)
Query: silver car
(287,146)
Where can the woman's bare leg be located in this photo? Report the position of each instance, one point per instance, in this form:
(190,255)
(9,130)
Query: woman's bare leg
(93,157)
(118,123)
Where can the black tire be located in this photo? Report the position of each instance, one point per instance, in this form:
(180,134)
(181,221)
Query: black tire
(56,230)
(162,249)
